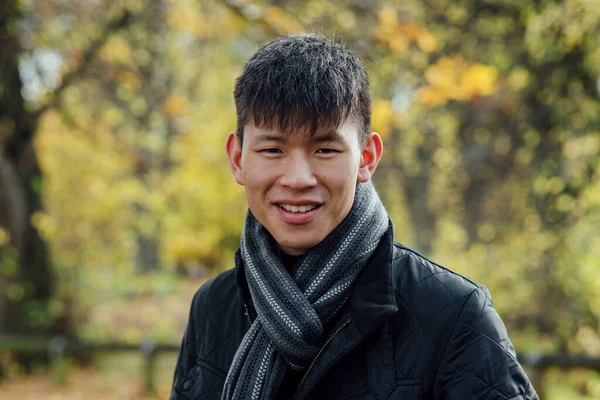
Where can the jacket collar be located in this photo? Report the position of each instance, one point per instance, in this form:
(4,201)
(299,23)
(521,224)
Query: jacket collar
(372,300)
(242,283)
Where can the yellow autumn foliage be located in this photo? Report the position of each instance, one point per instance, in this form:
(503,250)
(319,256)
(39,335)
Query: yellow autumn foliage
(174,106)
(4,236)
(128,79)
(187,18)
(116,50)
(427,42)
(281,20)
(479,80)
(388,19)
(453,78)
(382,117)
(398,36)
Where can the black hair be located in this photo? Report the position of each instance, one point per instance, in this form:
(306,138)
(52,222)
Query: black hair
(303,82)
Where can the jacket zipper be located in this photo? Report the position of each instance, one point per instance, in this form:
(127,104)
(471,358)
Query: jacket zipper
(322,349)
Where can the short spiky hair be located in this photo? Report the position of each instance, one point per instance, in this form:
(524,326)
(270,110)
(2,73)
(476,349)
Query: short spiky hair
(303,82)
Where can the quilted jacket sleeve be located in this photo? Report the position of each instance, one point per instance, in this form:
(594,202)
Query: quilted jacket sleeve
(187,353)
(479,361)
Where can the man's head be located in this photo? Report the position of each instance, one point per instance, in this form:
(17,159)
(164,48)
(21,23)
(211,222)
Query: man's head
(303,138)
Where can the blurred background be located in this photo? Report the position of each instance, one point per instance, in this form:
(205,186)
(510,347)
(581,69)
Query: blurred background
(117,203)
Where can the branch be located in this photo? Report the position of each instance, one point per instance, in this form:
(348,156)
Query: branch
(118,24)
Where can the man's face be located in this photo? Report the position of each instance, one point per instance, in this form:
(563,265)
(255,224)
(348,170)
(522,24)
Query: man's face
(300,187)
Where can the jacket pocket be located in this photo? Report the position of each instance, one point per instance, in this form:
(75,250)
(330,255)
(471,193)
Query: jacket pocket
(203,382)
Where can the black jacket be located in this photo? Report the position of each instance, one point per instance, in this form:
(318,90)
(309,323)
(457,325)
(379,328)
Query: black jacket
(410,330)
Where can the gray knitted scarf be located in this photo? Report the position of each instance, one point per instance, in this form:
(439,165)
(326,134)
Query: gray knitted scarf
(293,306)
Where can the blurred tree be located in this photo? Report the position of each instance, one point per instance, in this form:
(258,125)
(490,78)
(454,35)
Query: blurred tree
(26,278)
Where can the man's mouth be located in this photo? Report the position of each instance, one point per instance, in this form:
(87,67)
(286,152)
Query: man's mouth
(298,208)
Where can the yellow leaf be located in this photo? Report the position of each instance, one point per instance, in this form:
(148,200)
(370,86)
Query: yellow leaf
(444,76)
(427,42)
(519,78)
(174,106)
(443,72)
(479,80)
(382,116)
(4,237)
(415,33)
(430,97)
(188,20)
(388,19)
(129,80)
(282,21)
(116,50)
(398,45)
(411,31)
(453,79)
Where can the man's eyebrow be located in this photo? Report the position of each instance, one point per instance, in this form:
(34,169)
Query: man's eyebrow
(271,138)
(329,137)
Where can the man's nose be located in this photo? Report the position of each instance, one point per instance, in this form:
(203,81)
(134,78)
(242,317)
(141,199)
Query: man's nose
(298,173)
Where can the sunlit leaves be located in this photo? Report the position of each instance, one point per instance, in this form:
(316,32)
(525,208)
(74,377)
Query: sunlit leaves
(4,237)
(452,78)
(519,78)
(116,50)
(187,18)
(129,80)
(382,117)
(174,106)
(399,36)
(582,147)
(559,27)
(281,20)
(424,39)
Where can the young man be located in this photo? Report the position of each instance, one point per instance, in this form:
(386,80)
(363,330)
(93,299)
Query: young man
(322,303)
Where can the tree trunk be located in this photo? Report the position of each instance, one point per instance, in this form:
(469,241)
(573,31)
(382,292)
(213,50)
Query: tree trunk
(26,277)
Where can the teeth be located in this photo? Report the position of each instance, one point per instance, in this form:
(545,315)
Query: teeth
(295,209)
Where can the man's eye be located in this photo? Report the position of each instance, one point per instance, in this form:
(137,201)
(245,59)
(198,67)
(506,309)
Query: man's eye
(327,151)
(272,150)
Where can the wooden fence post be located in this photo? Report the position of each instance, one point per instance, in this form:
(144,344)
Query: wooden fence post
(56,350)
(149,352)
(534,361)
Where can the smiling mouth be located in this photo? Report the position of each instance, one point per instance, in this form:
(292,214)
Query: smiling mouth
(298,209)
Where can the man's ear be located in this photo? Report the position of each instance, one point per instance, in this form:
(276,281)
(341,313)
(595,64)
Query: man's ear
(369,157)
(234,155)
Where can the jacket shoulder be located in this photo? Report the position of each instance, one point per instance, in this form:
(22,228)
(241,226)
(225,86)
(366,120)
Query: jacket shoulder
(415,274)
(214,292)
(430,293)
(211,297)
